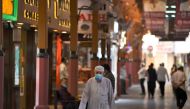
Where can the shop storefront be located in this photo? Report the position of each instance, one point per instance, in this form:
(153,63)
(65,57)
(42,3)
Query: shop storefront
(20,44)
(10,9)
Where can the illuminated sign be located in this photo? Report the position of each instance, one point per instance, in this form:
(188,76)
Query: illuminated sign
(64,23)
(17,64)
(30,15)
(58,7)
(10,8)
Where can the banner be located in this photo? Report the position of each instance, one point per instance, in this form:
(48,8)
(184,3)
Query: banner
(154,16)
(182,18)
(10,9)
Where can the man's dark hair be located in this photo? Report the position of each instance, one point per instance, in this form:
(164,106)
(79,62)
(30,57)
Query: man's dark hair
(107,67)
(180,68)
(151,65)
(63,60)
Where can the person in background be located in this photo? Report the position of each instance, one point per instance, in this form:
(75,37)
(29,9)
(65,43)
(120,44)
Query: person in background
(98,92)
(178,82)
(142,74)
(108,74)
(152,77)
(63,72)
(62,95)
(123,75)
(67,100)
(173,70)
(161,78)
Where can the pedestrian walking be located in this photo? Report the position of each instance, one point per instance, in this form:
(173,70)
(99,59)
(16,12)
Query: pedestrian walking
(65,98)
(161,78)
(98,92)
(173,69)
(152,77)
(123,76)
(108,74)
(178,82)
(142,75)
(63,72)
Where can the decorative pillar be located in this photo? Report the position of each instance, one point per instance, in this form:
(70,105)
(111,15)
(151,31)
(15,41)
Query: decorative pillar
(118,77)
(1,59)
(130,63)
(108,45)
(103,49)
(133,63)
(136,63)
(129,70)
(19,40)
(1,78)
(73,63)
(94,60)
(42,59)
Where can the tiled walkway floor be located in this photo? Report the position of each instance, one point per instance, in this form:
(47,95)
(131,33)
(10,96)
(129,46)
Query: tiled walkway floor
(135,101)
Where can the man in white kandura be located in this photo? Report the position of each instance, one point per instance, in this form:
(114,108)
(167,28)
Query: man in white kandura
(98,92)
(142,74)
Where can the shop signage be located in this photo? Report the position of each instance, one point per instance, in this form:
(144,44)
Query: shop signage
(154,15)
(85,17)
(30,15)
(88,17)
(10,9)
(182,20)
(58,13)
(165,47)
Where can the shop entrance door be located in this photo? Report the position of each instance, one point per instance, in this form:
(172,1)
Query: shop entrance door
(28,69)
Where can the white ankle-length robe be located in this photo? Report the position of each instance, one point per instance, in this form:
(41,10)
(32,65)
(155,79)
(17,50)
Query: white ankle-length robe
(98,95)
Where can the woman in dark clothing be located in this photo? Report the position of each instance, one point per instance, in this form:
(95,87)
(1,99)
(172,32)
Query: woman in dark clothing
(152,77)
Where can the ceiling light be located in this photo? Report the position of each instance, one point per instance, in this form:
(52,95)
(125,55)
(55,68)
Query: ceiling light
(64,32)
